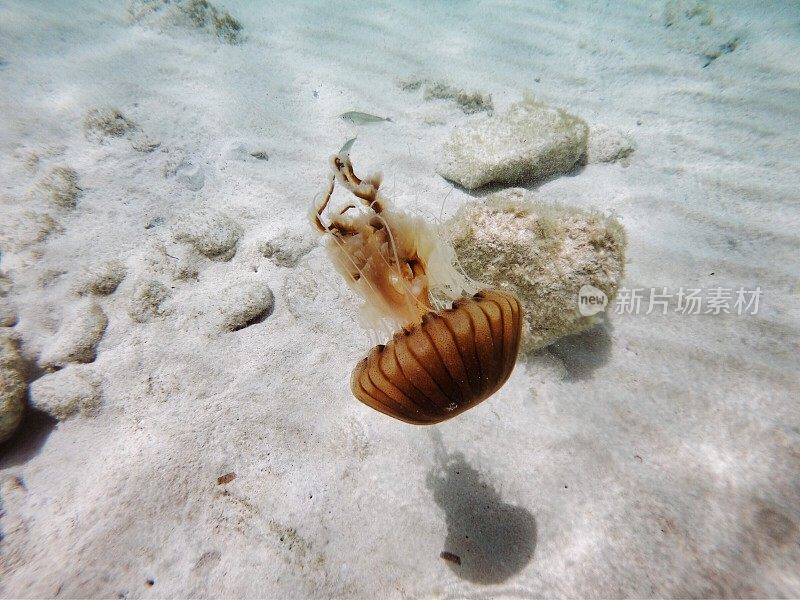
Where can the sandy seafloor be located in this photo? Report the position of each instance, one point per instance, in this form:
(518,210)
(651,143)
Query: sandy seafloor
(656,456)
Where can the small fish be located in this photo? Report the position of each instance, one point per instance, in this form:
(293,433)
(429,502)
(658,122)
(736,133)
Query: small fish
(347,145)
(361,118)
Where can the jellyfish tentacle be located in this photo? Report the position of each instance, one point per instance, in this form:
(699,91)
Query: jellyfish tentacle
(322,205)
(366,189)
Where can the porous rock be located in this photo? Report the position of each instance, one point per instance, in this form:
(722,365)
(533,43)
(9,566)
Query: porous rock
(60,187)
(147,301)
(244,300)
(8,313)
(76,341)
(12,386)
(545,254)
(212,233)
(107,122)
(530,141)
(287,247)
(74,389)
(193,14)
(100,279)
(27,229)
(607,145)
(469,101)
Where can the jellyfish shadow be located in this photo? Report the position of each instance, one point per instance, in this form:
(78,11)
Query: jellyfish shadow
(582,353)
(493,540)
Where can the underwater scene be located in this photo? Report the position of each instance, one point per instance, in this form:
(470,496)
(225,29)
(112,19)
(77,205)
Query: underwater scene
(413,299)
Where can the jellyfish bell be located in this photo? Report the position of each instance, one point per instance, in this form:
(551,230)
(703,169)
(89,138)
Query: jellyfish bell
(453,346)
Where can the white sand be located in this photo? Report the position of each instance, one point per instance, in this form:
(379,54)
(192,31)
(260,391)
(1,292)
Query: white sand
(660,456)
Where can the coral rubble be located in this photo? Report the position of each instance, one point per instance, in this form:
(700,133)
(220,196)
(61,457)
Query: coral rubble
(212,233)
(64,393)
(529,142)
(100,279)
(77,339)
(544,253)
(60,187)
(12,386)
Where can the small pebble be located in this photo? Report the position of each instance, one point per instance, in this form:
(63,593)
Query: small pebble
(450,557)
(227,478)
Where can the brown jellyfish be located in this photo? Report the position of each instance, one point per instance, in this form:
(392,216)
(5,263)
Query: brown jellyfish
(449,351)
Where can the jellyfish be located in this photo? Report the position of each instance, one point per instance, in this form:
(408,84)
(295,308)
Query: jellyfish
(452,345)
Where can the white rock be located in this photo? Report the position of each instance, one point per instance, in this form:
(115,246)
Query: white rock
(530,141)
(607,145)
(12,386)
(100,279)
(105,122)
(243,300)
(212,233)
(76,341)
(64,393)
(8,313)
(543,253)
(60,187)
(287,247)
(147,300)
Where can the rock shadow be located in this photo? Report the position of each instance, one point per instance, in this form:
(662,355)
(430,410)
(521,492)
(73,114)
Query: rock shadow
(583,353)
(530,184)
(487,540)
(28,440)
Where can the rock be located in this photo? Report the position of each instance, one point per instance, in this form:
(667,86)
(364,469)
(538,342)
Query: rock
(212,233)
(143,143)
(148,298)
(76,341)
(5,285)
(100,279)
(409,84)
(28,229)
(8,313)
(100,123)
(64,393)
(187,267)
(528,142)
(192,14)
(694,26)
(607,145)
(201,14)
(60,187)
(545,254)
(244,301)
(287,247)
(469,101)
(12,386)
